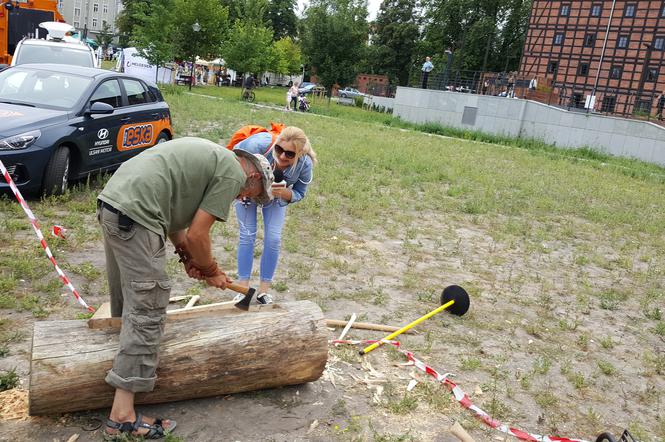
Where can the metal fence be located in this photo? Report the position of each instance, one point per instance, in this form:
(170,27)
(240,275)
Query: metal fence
(645,105)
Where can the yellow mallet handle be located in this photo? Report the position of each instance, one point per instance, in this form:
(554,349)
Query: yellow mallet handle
(369,348)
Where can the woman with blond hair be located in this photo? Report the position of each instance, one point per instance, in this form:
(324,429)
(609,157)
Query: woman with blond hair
(292,159)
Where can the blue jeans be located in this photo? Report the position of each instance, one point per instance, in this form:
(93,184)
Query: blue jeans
(273,222)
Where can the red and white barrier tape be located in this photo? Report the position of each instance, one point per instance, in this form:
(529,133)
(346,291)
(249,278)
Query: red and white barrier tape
(42,241)
(463,398)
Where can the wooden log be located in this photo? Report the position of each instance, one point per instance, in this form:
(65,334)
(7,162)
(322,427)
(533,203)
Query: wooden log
(199,357)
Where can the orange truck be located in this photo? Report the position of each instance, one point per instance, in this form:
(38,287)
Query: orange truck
(21,18)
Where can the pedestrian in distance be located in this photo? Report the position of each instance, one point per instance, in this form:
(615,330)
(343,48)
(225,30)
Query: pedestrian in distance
(175,190)
(292,157)
(293,90)
(660,105)
(426,69)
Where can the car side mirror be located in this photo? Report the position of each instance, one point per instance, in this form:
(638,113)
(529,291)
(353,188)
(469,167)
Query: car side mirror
(98,108)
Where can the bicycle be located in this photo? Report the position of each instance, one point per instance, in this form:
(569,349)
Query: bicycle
(248,95)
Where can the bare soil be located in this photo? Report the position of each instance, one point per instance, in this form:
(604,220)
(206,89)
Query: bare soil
(527,352)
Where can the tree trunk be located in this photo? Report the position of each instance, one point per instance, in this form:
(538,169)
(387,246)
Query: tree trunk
(199,357)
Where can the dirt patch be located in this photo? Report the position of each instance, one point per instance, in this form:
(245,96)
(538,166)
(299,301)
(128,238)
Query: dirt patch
(549,345)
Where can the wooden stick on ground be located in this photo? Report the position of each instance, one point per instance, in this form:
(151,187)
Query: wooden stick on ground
(364,325)
(193,301)
(179,298)
(347,327)
(459,432)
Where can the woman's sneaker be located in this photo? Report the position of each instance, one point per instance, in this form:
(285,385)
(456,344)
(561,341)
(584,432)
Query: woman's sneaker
(264,298)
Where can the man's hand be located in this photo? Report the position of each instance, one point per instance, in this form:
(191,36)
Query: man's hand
(218,280)
(193,271)
(282,193)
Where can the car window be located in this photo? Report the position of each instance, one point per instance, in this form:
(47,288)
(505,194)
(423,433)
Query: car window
(28,53)
(136,93)
(109,93)
(42,88)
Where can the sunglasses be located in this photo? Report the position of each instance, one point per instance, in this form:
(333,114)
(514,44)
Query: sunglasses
(280,150)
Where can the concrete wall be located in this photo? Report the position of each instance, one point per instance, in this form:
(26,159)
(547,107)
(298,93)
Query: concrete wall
(381,102)
(530,119)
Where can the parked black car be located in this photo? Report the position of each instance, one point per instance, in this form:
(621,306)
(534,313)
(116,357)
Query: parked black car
(60,122)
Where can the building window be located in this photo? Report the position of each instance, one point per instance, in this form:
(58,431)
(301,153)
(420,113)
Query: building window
(95,7)
(596,9)
(77,12)
(652,74)
(590,40)
(76,24)
(608,104)
(622,42)
(583,69)
(94,23)
(558,39)
(629,10)
(105,8)
(552,67)
(565,10)
(615,72)
(659,43)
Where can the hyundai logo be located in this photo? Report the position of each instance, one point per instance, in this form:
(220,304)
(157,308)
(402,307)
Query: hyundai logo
(102,134)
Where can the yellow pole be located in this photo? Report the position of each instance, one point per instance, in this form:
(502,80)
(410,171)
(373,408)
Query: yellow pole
(369,348)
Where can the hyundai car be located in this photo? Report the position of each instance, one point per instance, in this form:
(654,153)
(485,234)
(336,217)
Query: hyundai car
(60,122)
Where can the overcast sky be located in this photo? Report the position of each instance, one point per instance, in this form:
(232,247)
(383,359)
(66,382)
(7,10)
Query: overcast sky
(372,7)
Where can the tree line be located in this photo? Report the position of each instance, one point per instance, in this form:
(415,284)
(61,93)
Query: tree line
(332,36)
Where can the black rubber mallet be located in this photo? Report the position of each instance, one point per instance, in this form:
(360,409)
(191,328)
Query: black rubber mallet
(454,298)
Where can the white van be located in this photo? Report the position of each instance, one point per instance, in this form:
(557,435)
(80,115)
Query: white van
(58,48)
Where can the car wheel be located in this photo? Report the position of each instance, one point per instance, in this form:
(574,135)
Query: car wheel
(343,95)
(162,138)
(57,173)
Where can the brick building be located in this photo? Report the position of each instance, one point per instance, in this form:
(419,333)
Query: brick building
(610,49)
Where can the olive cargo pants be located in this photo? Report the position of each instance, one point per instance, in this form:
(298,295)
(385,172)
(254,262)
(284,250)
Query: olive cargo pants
(140,289)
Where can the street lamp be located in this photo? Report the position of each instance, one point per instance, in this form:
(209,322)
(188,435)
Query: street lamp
(196,27)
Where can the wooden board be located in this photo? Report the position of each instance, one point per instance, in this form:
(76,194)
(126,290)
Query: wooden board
(209,355)
(102,319)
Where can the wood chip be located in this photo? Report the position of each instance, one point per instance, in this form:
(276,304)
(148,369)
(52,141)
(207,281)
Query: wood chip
(73,438)
(313,426)
(14,405)
(412,385)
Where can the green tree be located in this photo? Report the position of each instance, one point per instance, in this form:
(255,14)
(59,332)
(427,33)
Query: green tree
(395,39)
(212,18)
(132,13)
(282,18)
(249,48)
(483,35)
(154,34)
(288,58)
(334,37)
(105,36)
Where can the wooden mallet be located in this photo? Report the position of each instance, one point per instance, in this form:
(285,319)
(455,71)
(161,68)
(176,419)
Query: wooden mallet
(454,298)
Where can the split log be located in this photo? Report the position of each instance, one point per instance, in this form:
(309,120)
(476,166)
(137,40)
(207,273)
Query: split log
(199,357)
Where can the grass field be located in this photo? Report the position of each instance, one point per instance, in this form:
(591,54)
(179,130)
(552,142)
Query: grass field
(563,254)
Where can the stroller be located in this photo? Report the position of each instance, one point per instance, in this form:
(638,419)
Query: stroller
(303,104)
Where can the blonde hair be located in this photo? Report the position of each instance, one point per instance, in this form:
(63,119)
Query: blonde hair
(296,135)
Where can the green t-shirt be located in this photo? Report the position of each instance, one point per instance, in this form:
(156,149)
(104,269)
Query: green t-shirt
(164,186)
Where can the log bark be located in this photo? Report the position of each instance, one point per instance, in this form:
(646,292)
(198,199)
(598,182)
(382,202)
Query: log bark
(199,357)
